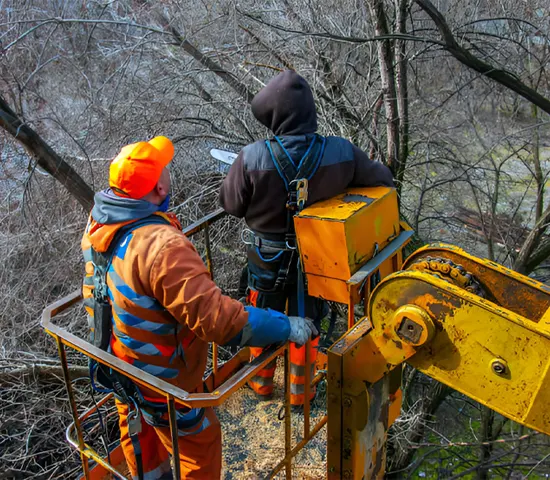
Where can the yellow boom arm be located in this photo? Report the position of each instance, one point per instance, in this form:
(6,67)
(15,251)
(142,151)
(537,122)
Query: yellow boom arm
(432,315)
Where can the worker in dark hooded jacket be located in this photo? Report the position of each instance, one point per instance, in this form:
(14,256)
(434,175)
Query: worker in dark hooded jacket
(256,189)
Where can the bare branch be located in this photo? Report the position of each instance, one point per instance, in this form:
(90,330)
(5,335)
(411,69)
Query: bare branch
(531,243)
(464,56)
(45,156)
(341,38)
(214,67)
(78,20)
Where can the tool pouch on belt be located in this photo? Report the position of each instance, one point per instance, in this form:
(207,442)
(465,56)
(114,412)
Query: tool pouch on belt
(271,273)
(102,326)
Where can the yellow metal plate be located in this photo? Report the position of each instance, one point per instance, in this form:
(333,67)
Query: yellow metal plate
(471,335)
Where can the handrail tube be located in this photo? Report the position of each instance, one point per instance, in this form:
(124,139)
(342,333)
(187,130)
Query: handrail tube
(204,222)
(191,400)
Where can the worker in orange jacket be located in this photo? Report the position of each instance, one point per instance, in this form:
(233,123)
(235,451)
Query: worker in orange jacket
(165,308)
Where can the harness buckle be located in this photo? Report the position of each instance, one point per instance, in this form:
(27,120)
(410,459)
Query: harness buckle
(100,287)
(134,422)
(301,191)
(248,237)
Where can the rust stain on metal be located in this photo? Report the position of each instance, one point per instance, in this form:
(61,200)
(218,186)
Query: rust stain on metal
(517,293)
(458,334)
(438,307)
(398,344)
(387,304)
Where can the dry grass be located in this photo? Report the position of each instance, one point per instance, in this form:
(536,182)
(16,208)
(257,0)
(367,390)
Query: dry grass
(39,247)
(254,435)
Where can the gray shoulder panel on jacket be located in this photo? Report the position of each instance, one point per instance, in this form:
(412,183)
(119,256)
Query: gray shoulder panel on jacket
(337,150)
(256,157)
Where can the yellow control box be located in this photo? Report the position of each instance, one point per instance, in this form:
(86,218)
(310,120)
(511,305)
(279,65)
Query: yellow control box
(338,236)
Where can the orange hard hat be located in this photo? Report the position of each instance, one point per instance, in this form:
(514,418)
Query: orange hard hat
(137,168)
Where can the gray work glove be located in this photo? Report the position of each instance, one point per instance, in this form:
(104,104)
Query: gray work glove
(301,330)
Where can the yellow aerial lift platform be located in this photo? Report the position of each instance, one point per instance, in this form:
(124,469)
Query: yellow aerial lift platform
(470,323)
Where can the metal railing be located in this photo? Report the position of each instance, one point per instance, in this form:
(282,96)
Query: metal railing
(225,380)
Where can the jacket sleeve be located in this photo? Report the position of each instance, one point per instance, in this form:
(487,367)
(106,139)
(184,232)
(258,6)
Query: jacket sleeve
(264,327)
(369,173)
(181,283)
(236,189)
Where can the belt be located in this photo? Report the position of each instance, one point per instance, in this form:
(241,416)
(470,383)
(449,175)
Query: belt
(254,240)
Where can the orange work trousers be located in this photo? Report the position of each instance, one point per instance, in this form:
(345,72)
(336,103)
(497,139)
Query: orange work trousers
(262,383)
(200,448)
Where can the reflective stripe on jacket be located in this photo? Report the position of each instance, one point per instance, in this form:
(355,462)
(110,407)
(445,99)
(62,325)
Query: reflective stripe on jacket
(166,308)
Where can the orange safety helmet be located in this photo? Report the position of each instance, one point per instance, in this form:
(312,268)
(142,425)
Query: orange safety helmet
(137,168)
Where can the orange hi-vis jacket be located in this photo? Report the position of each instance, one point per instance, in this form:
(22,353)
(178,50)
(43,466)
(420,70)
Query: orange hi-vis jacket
(165,306)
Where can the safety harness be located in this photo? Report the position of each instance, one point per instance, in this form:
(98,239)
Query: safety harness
(103,378)
(295,178)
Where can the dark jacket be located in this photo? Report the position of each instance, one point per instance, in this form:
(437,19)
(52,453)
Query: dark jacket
(253,188)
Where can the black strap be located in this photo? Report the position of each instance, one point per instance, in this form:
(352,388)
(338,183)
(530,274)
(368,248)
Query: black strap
(124,389)
(102,262)
(133,419)
(121,385)
(291,173)
(286,166)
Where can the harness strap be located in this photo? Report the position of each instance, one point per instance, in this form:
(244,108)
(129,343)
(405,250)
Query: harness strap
(301,291)
(251,238)
(296,177)
(103,330)
(134,429)
(285,165)
(102,263)
(296,180)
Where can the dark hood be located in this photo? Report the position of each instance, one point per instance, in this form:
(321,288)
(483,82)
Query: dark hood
(286,106)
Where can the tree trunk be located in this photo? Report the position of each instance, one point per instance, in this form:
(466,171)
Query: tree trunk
(524,261)
(45,157)
(403,454)
(486,449)
(387,76)
(401,78)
